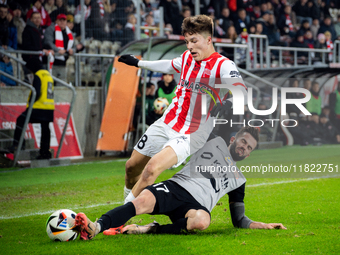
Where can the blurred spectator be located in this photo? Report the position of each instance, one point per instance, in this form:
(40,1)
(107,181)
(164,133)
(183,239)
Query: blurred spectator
(61,8)
(166,87)
(25,5)
(320,44)
(284,22)
(264,20)
(330,134)
(6,66)
(323,6)
(3,26)
(232,35)
(32,38)
(241,57)
(327,25)
(299,133)
(12,33)
(263,6)
(313,129)
(242,21)
(171,13)
(190,4)
(292,108)
(224,19)
(70,24)
(115,25)
(59,38)
(315,28)
(177,23)
(70,21)
(168,29)
(94,19)
(50,6)
(218,31)
(302,11)
(307,84)
(309,40)
(246,5)
(255,14)
(45,17)
(304,26)
(272,32)
(217,6)
(128,7)
(147,6)
(314,11)
(211,13)
(337,28)
(18,21)
(329,44)
(129,30)
(315,102)
(334,105)
(149,97)
(299,42)
(149,22)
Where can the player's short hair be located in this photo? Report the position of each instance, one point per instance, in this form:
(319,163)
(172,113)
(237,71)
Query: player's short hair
(253,131)
(198,24)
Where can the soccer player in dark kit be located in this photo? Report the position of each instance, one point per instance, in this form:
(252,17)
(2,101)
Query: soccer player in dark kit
(190,195)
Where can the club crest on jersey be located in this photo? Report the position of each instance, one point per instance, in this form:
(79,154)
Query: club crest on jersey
(229,161)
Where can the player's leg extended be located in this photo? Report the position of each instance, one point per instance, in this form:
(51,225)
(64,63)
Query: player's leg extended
(134,167)
(116,217)
(163,160)
(194,220)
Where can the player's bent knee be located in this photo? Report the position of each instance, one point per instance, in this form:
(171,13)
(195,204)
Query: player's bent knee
(129,167)
(200,221)
(200,224)
(149,172)
(144,203)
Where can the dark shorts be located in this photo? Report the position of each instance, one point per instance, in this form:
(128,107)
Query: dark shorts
(173,200)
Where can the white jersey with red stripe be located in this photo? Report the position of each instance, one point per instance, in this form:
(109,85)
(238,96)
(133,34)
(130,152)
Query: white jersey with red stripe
(197,77)
(184,113)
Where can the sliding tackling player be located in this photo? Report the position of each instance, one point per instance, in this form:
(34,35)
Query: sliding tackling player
(190,195)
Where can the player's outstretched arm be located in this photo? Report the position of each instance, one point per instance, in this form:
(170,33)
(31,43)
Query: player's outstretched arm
(240,220)
(261,225)
(163,66)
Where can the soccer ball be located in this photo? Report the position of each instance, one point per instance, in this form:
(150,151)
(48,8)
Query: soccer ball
(60,226)
(160,104)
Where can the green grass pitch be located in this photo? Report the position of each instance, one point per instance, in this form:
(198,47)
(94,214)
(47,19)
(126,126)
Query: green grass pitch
(309,206)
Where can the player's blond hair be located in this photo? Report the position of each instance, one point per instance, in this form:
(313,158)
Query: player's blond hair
(199,24)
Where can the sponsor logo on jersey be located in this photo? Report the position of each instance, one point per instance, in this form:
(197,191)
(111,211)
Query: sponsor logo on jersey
(195,87)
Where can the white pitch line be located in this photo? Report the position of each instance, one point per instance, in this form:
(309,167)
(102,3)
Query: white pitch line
(113,203)
(51,211)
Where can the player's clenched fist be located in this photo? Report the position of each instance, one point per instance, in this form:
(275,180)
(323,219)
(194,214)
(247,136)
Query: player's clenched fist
(130,60)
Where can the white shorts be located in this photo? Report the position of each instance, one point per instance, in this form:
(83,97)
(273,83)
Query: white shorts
(159,135)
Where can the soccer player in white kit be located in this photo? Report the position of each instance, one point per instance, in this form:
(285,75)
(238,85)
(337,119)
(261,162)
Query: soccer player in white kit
(168,142)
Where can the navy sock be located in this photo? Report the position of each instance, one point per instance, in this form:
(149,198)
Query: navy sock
(177,227)
(117,216)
